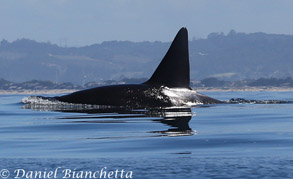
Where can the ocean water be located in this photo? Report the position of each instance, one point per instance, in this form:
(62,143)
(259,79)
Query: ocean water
(205,141)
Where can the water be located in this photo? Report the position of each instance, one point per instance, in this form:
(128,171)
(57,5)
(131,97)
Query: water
(214,141)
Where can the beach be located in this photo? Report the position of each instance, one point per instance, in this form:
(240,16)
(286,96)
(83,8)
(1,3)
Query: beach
(202,89)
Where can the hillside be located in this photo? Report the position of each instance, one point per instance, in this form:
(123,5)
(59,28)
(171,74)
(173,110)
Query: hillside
(233,56)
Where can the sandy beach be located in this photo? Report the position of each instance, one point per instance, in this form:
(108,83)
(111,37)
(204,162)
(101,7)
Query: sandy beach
(62,91)
(37,92)
(246,89)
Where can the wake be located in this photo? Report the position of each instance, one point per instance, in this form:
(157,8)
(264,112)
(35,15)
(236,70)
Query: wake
(251,101)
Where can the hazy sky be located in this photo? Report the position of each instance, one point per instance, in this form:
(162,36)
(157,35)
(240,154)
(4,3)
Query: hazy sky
(85,22)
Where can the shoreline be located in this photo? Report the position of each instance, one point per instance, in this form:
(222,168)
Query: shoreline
(37,92)
(60,91)
(248,89)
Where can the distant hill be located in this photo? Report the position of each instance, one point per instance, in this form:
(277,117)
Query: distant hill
(233,56)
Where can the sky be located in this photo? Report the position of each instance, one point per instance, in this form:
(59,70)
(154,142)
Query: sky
(85,22)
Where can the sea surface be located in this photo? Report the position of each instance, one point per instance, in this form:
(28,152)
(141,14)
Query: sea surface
(205,141)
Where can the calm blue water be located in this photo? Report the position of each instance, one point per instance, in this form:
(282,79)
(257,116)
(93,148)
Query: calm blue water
(216,141)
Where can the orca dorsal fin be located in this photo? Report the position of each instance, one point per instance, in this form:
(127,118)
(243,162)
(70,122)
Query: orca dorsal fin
(173,70)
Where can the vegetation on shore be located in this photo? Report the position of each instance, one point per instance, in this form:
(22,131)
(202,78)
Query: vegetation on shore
(206,83)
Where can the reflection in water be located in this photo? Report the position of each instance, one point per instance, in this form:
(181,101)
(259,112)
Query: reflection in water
(179,124)
(177,118)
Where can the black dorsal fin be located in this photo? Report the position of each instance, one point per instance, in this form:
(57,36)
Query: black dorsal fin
(173,70)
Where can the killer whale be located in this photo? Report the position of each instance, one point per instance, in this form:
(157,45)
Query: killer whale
(168,86)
